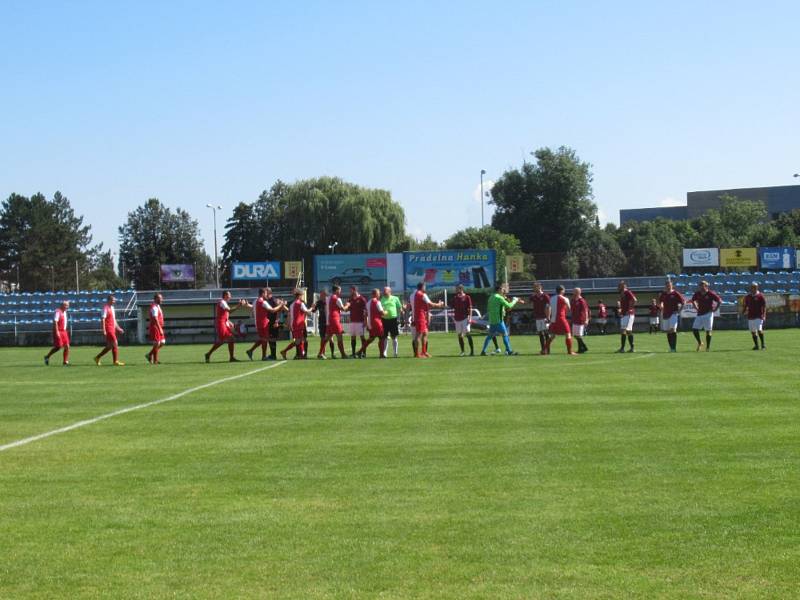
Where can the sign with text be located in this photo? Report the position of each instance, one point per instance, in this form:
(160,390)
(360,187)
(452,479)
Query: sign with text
(292,269)
(256,271)
(177,273)
(701,257)
(514,263)
(445,269)
(738,257)
(779,257)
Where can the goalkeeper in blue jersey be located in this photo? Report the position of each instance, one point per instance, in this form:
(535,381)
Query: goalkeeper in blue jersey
(496,309)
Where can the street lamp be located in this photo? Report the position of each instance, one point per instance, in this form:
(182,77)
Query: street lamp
(483,172)
(332,247)
(214,209)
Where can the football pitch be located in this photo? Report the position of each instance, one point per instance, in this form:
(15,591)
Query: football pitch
(595,476)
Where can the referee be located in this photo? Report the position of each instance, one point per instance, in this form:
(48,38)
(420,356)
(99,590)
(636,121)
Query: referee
(392,308)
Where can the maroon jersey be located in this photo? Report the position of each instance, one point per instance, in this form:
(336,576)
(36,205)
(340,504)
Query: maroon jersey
(539,303)
(670,302)
(580,311)
(358,308)
(756,306)
(706,303)
(653,310)
(602,311)
(628,302)
(462,307)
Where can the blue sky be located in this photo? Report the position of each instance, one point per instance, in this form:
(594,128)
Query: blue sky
(197,102)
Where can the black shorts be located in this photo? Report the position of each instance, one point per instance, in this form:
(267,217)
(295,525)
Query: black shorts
(321,329)
(390,328)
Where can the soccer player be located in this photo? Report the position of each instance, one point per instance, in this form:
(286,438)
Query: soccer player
(333,327)
(224,327)
(540,302)
(60,334)
(755,305)
(627,312)
(559,306)
(653,308)
(580,319)
(392,311)
(374,324)
(108,323)
(496,308)
(262,310)
(319,308)
(602,317)
(358,309)
(155,329)
(462,315)
(421,306)
(298,311)
(275,323)
(706,302)
(670,303)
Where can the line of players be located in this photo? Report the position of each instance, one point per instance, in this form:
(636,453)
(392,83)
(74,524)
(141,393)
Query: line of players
(378,319)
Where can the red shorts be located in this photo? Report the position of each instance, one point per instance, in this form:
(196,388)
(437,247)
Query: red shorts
(263,332)
(376,329)
(111,339)
(334,328)
(155,335)
(60,339)
(299,332)
(559,327)
(421,326)
(224,332)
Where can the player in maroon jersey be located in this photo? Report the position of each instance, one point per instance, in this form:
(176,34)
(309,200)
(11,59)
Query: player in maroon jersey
(155,329)
(670,303)
(580,319)
(706,302)
(755,307)
(110,327)
(333,326)
(462,315)
(224,327)
(358,310)
(374,316)
(602,317)
(653,315)
(60,334)
(627,308)
(263,312)
(298,311)
(540,303)
(559,307)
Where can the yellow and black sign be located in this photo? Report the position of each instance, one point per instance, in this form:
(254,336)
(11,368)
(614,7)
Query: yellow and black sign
(292,269)
(514,263)
(738,257)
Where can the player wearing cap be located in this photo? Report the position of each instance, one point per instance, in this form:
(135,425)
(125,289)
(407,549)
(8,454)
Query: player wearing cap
(392,311)
(540,303)
(580,319)
(559,307)
(108,323)
(298,311)
(462,315)
(706,302)
(155,329)
(627,311)
(60,334)
(755,306)
(670,303)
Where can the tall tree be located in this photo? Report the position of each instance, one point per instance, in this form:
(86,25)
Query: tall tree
(548,204)
(154,235)
(599,255)
(651,247)
(504,244)
(244,238)
(42,239)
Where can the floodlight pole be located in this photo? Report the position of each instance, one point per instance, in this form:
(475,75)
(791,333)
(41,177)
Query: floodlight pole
(483,172)
(214,209)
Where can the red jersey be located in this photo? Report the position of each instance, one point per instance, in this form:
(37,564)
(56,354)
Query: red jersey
(628,301)
(580,311)
(539,303)
(756,306)
(110,319)
(334,310)
(602,311)
(420,306)
(261,313)
(358,308)
(374,312)
(297,313)
(670,303)
(706,303)
(223,313)
(156,316)
(559,305)
(654,310)
(462,307)
(60,319)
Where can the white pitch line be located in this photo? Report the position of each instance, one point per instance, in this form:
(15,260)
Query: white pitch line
(122,411)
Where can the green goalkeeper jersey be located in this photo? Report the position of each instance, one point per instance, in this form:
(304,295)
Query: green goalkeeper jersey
(497,308)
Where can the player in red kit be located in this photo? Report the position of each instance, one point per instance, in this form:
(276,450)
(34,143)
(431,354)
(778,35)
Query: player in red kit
(653,312)
(374,313)
(602,317)
(559,306)
(333,326)
(755,306)
(580,319)
(358,310)
(462,315)
(262,312)
(540,302)
(108,323)
(60,334)
(670,303)
(224,327)
(706,302)
(627,309)
(298,311)
(155,329)
(421,305)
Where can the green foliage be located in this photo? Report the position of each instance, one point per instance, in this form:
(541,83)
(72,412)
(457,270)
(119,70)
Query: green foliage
(599,255)
(651,247)
(504,244)
(101,273)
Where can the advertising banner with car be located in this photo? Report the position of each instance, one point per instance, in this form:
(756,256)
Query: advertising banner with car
(445,269)
(363,270)
(701,257)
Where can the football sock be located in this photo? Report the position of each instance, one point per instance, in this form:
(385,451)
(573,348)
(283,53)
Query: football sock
(760,336)
(581,345)
(541,340)
(630,340)
(264,349)
(622,341)
(507,343)
(486,343)
(230,349)
(461,343)
(340,343)
(696,333)
(471,345)
(708,340)
(273,348)
(115,353)
(395,345)
(66,352)
(755,339)
(352,345)
(494,341)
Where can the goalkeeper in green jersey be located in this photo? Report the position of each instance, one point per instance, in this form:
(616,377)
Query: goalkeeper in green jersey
(496,309)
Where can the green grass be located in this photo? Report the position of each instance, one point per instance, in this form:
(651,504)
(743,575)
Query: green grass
(598,476)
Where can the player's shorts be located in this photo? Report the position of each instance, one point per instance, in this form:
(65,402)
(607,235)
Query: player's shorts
(224,332)
(334,328)
(262,332)
(670,323)
(376,330)
(559,327)
(653,320)
(111,339)
(299,332)
(356,329)
(421,327)
(462,327)
(626,323)
(322,329)
(541,325)
(755,325)
(601,321)
(60,339)
(390,327)
(578,330)
(705,321)
(498,329)
(155,335)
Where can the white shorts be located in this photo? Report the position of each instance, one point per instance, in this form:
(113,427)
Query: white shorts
(626,323)
(705,321)
(601,321)
(756,325)
(462,327)
(653,320)
(356,329)
(670,323)
(577,330)
(541,325)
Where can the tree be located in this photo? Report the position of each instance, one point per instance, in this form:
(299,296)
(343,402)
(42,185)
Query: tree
(243,237)
(154,235)
(735,224)
(43,239)
(599,255)
(101,274)
(651,247)
(504,245)
(547,205)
